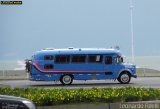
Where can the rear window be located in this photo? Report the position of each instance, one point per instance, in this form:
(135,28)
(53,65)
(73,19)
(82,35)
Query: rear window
(48,66)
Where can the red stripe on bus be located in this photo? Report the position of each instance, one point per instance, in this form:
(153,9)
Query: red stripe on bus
(35,63)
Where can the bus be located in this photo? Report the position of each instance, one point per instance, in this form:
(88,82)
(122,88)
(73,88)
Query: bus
(66,65)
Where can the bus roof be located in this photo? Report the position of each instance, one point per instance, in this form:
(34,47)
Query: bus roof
(77,51)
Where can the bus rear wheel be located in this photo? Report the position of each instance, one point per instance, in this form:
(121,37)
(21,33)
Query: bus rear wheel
(124,78)
(66,79)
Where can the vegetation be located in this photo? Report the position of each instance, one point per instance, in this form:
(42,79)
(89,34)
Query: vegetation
(41,96)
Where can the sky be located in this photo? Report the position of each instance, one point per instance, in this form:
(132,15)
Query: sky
(38,24)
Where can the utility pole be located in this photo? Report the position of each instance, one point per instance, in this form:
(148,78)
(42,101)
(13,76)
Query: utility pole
(132,34)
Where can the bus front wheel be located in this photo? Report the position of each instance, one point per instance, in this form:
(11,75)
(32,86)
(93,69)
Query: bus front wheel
(66,79)
(124,78)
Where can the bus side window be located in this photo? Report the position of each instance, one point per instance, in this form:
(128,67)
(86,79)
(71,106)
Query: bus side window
(48,57)
(94,58)
(62,59)
(78,58)
(108,60)
(48,66)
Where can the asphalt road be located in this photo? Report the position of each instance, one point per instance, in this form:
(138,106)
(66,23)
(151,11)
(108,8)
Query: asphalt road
(147,82)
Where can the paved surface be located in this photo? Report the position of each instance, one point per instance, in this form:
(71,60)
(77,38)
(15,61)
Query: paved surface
(147,82)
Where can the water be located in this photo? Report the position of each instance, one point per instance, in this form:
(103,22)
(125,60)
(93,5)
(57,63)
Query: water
(12,65)
(152,62)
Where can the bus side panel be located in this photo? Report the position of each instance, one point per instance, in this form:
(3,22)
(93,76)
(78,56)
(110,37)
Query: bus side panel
(97,76)
(36,75)
(82,76)
(104,76)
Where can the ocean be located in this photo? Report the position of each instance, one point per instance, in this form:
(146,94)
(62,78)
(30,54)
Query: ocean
(12,65)
(151,62)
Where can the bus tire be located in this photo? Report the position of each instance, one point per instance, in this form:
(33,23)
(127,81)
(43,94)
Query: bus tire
(124,78)
(66,79)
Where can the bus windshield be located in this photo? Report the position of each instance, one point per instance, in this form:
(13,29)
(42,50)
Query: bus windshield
(119,59)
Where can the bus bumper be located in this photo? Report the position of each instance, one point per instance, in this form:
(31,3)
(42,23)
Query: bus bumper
(134,76)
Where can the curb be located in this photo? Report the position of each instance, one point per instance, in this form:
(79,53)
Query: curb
(124,105)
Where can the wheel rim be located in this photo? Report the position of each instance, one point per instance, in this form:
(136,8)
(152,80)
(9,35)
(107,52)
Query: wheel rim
(67,79)
(125,78)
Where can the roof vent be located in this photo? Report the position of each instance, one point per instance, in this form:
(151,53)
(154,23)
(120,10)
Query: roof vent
(48,49)
(70,47)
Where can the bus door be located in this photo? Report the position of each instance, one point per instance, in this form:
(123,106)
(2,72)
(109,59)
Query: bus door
(109,66)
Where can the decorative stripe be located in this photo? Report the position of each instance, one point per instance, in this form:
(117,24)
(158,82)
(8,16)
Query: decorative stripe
(35,63)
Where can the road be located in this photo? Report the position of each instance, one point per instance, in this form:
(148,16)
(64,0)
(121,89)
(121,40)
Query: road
(147,82)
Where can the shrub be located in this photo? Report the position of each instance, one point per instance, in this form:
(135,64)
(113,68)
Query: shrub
(41,96)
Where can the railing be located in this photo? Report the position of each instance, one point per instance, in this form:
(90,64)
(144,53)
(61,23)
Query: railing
(13,74)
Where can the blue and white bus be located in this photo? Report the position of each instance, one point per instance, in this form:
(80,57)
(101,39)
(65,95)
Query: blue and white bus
(66,65)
